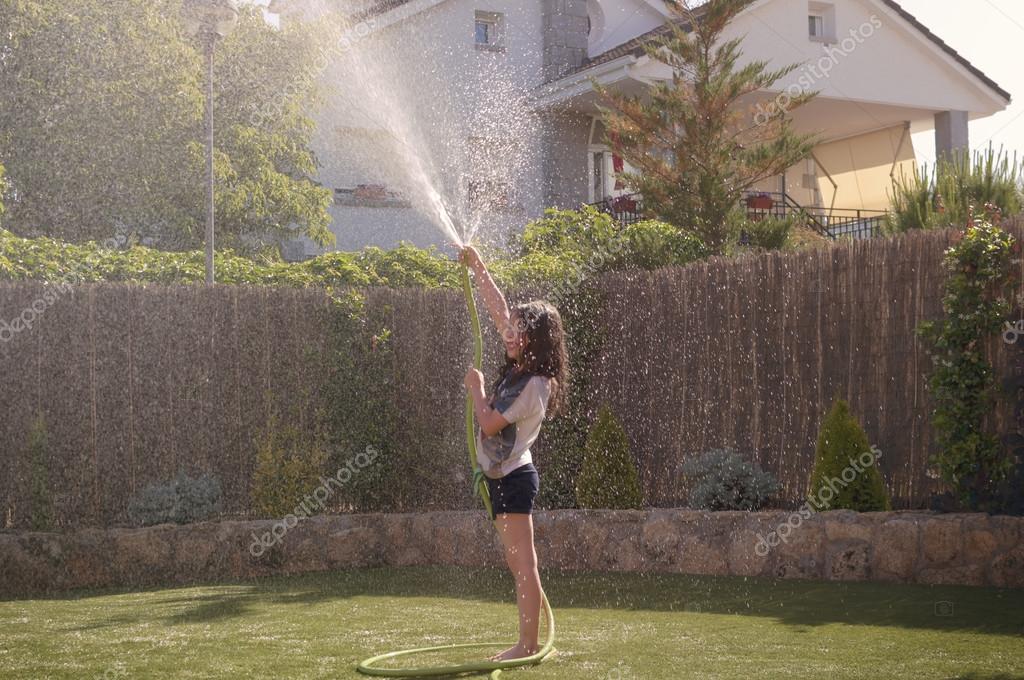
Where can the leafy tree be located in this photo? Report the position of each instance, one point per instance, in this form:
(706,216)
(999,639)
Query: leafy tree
(608,478)
(101,125)
(846,475)
(694,143)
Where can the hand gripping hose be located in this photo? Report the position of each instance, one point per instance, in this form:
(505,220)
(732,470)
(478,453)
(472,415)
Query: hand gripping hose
(479,488)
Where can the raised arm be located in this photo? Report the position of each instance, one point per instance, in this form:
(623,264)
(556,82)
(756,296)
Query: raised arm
(497,307)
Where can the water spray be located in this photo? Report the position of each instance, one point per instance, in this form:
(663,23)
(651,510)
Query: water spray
(479,488)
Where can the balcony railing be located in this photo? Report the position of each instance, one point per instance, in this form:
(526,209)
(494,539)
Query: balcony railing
(835,224)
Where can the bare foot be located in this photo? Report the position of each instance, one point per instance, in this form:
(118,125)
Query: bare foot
(517,652)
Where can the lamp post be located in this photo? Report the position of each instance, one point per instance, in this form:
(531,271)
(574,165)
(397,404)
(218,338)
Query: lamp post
(209,21)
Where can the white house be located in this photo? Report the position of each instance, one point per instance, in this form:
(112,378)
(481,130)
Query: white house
(491,104)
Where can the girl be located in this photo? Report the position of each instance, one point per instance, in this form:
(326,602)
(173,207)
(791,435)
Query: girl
(532,384)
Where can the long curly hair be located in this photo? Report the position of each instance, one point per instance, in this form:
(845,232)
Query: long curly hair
(545,352)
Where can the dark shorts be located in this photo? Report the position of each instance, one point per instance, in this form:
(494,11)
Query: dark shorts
(515,491)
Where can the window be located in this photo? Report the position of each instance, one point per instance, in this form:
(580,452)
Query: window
(816,26)
(821,22)
(489,30)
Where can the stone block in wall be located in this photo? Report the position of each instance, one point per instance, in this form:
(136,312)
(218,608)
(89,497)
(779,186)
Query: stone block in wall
(1008,531)
(353,547)
(967,575)
(480,545)
(142,556)
(847,561)
(623,548)
(847,525)
(659,538)
(402,546)
(704,546)
(1007,570)
(800,551)
(306,550)
(198,554)
(742,557)
(896,550)
(86,559)
(940,540)
(31,562)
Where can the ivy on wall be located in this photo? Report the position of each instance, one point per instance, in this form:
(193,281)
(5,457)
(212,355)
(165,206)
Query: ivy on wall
(970,458)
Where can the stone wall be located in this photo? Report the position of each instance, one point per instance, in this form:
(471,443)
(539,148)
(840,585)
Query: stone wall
(905,547)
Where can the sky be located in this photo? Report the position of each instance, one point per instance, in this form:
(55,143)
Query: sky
(987,32)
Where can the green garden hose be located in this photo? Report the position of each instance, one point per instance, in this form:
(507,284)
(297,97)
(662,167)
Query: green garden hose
(479,487)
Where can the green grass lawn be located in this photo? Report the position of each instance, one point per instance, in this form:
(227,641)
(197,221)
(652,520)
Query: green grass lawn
(609,626)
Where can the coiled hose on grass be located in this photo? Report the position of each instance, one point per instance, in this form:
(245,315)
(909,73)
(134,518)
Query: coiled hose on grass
(480,488)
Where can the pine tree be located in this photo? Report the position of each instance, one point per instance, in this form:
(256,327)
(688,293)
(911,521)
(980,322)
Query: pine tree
(695,141)
(608,478)
(840,479)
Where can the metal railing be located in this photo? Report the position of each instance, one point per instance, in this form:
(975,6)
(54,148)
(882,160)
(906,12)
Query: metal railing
(626,209)
(835,224)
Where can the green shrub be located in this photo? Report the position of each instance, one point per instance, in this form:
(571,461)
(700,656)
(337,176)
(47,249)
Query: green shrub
(41,511)
(770,233)
(846,474)
(289,465)
(571,234)
(591,239)
(47,259)
(651,244)
(180,501)
(722,479)
(945,194)
(608,478)
(970,458)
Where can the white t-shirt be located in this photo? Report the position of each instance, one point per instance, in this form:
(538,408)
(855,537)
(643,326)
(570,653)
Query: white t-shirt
(522,399)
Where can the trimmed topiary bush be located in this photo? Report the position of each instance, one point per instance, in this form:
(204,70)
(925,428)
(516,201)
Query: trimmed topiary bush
(180,501)
(722,479)
(608,478)
(846,474)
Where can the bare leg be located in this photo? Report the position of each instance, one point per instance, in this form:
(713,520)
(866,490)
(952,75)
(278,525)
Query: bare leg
(516,531)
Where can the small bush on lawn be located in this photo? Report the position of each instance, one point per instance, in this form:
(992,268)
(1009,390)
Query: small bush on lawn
(722,479)
(846,474)
(608,478)
(180,501)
